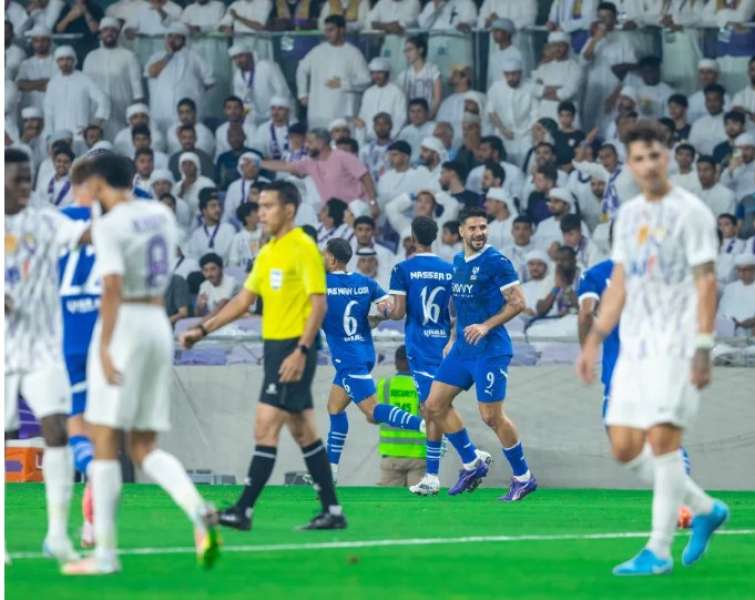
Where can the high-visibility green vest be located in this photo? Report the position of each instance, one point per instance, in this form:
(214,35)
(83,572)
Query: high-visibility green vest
(400,391)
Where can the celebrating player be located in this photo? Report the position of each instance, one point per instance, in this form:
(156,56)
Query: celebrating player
(421,290)
(347,330)
(288,275)
(486,295)
(34,239)
(663,287)
(130,360)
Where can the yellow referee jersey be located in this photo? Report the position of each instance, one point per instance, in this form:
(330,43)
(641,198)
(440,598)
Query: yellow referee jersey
(286,272)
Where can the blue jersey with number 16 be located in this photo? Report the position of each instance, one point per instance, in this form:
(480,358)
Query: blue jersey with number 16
(79,291)
(425,280)
(350,296)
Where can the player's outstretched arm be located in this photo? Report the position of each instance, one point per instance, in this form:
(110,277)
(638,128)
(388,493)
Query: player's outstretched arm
(235,308)
(705,282)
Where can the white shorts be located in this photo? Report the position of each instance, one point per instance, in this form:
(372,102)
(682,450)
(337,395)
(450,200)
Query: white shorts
(142,351)
(46,391)
(651,392)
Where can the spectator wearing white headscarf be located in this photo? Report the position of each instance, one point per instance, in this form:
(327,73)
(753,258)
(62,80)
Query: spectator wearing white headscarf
(246,16)
(271,137)
(382,96)
(35,72)
(500,207)
(558,78)
(256,82)
(560,204)
(152,18)
(137,114)
(738,300)
(539,281)
(191,184)
(239,191)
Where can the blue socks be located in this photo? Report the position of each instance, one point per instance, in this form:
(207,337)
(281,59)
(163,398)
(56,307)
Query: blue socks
(463,445)
(83,452)
(515,456)
(396,417)
(432,457)
(339,429)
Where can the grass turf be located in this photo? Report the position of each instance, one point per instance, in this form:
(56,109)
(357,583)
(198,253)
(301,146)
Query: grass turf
(526,569)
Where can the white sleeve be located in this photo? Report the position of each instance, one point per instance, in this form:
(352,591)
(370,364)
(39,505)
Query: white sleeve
(700,239)
(106,248)
(68,232)
(619,251)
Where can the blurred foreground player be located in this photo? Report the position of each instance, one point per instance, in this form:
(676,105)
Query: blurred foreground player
(130,361)
(663,287)
(34,367)
(289,276)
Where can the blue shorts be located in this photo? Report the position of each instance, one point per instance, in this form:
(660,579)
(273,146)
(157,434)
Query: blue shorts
(423,375)
(357,382)
(76,365)
(489,374)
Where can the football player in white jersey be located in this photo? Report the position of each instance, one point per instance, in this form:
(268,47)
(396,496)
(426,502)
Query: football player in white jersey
(130,360)
(34,367)
(663,287)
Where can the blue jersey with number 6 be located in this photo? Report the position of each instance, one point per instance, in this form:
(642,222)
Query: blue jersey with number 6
(79,291)
(350,296)
(425,280)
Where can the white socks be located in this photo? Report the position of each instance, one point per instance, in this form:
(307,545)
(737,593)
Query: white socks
(169,474)
(669,488)
(696,499)
(57,467)
(106,491)
(642,465)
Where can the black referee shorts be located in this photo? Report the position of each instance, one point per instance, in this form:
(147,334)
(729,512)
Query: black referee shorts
(291,397)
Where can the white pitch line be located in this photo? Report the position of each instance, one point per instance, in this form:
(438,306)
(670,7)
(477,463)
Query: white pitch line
(476,539)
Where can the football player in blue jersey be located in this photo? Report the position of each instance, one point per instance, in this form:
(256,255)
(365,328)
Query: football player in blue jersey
(80,301)
(347,330)
(486,294)
(421,291)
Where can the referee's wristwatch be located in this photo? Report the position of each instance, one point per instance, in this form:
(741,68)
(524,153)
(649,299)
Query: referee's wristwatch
(303,348)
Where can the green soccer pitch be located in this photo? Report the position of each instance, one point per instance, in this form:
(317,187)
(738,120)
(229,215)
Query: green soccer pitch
(554,544)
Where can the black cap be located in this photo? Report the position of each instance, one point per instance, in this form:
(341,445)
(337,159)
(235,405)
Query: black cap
(401,146)
(205,194)
(297,128)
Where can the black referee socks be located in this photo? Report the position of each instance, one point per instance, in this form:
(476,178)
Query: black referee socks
(263,461)
(318,466)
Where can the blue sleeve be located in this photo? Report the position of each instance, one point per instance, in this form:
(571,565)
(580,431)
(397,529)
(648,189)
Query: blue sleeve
(504,274)
(397,283)
(376,292)
(588,285)
(740,211)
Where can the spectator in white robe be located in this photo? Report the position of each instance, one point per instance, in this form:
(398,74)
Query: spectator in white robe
(14,55)
(17,16)
(203,16)
(213,235)
(393,18)
(46,168)
(738,299)
(707,74)
(421,79)
(501,214)
(137,114)
(729,248)
(419,126)
(572,234)
(30,134)
(247,242)
(331,75)
(491,149)
(246,16)
(652,93)
(11,112)
(241,190)
(574,18)
(686,175)
(354,11)
(558,78)
(152,18)
(162,183)
(735,41)
(174,74)
(708,131)
(588,184)
(502,35)
(124,10)
(256,81)
(73,100)
(548,235)
(233,110)
(716,196)
(539,282)
(607,57)
(186,113)
(45,13)
(141,138)
(453,107)
(59,193)
(521,244)
(35,72)
(401,177)
(144,165)
(512,108)
(744,99)
(271,138)
(191,184)
(382,96)
(739,176)
(374,153)
(117,73)
(523,13)
(364,237)
(439,15)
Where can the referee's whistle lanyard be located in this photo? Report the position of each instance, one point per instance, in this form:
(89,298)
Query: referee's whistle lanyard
(211,237)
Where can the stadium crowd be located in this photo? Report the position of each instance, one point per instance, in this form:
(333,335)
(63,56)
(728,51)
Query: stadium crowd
(536,141)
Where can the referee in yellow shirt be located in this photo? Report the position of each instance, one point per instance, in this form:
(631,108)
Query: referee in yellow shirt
(289,276)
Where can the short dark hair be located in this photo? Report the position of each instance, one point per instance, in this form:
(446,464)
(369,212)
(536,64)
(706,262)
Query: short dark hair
(210,257)
(187,102)
(206,196)
(143,151)
(546,144)
(496,169)
(67,151)
(707,158)
(668,123)
(471,212)
(735,115)
(679,99)
(364,220)
(233,99)
(457,167)
(336,20)
(183,128)
(570,222)
(116,170)
(141,130)
(14,155)
(170,196)
(568,106)
(608,6)
(310,231)
(729,217)
(400,355)
(351,143)
(715,88)
(452,227)
(645,131)
(548,171)
(419,102)
(419,43)
(524,219)
(495,143)
(245,209)
(568,250)
(336,210)
(288,193)
(424,230)
(687,147)
(92,126)
(340,249)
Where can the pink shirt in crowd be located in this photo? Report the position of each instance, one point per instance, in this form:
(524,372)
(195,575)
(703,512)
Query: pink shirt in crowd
(336,177)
